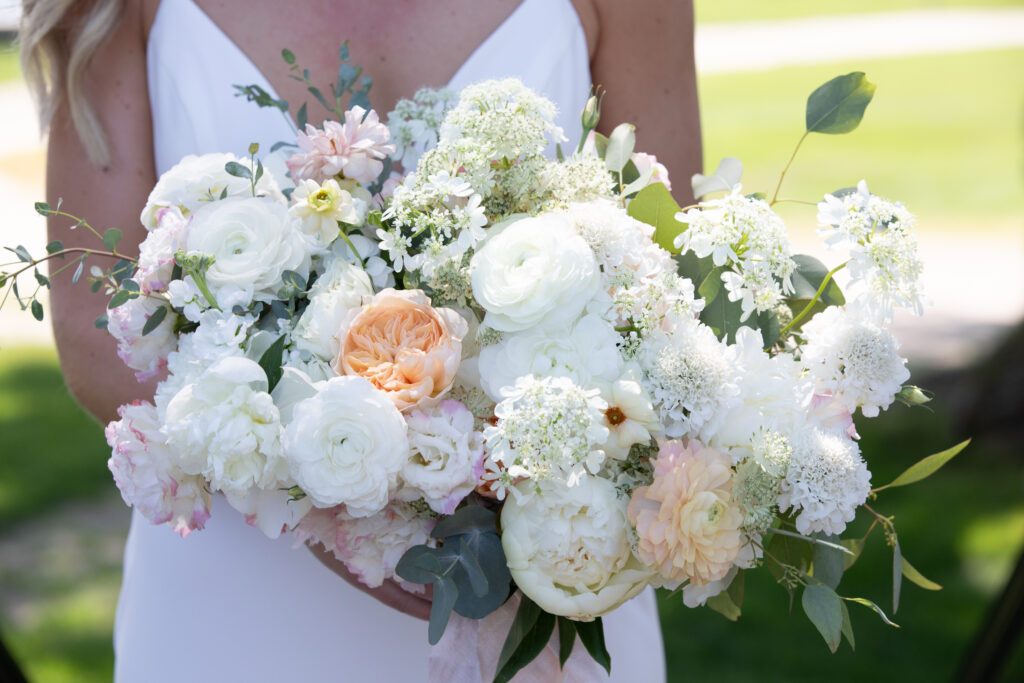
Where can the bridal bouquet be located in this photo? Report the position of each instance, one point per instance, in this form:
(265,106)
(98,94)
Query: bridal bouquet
(503,374)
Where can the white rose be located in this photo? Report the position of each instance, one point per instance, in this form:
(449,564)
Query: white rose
(568,548)
(196,181)
(346,445)
(253,241)
(585,352)
(538,270)
(340,289)
(226,427)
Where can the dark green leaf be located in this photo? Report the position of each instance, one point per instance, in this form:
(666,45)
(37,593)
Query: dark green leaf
(315,92)
(926,467)
(523,623)
(293,279)
(414,568)
(347,75)
(445,595)
(807,278)
(470,564)
(42,208)
(302,117)
(343,52)
(101,322)
(259,170)
(120,298)
(238,170)
(121,271)
(111,237)
(768,323)
(918,578)
(821,604)
(838,105)
(592,636)
(154,320)
(471,518)
(897,574)
(270,361)
(361,98)
(21,252)
(130,285)
(41,279)
(54,246)
(724,605)
(288,56)
(655,206)
(855,546)
(828,561)
(723,317)
(711,285)
(847,624)
(37,310)
(566,639)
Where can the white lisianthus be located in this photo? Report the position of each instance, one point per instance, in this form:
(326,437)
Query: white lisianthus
(569,548)
(446,456)
(273,511)
(340,289)
(321,207)
(346,445)
(146,354)
(252,242)
(585,352)
(226,427)
(537,271)
(197,181)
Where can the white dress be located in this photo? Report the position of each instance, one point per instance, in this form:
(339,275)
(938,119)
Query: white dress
(228,604)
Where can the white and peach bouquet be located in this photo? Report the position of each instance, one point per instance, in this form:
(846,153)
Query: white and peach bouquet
(514,377)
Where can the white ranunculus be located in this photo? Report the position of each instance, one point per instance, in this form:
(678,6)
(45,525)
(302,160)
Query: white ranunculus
(340,289)
(583,353)
(225,426)
(346,445)
(196,181)
(568,548)
(537,271)
(253,241)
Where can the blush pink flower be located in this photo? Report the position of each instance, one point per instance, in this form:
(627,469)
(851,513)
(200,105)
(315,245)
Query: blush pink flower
(402,345)
(648,162)
(354,149)
(687,522)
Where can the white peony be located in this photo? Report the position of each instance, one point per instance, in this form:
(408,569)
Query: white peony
(226,427)
(569,548)
(197,181)
(537,271)
(156,252)
(340,289)
(346,445)
(585,352)
(252,241)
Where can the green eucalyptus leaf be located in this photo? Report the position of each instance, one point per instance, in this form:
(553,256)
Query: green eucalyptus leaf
(726,175)
(878,610)
(847,624)
(302,117)
(897,574)
(471,518)
(592,636)
(121,271)
(445,595)
(154,320)
(111,236)
(655,206)
(54,246)
(471,566)
(856,547)
(43,209)
(918,578)
(101,322)
(926,467)
(807,278)
(723,317)
(821,605)
(711,285)
(566,639)
(130,285)
(270,361)
(41,279)
(120,298)
(37,310)
(724,605)
(238,170)
(413,568)
(347,75)
(828,560)
(21,252)
(838,106)
(620,146)
(288,56)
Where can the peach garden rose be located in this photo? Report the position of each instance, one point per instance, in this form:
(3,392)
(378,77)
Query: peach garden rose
(403,346)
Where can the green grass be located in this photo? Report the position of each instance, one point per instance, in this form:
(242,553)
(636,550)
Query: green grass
(10,69)
(52,451)
(744,10)
(944,135)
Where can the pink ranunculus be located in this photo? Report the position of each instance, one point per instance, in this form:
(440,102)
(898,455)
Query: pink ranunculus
(403,346)
(354,149)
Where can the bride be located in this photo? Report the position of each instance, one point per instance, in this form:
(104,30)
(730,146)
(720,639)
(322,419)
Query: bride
(127,88)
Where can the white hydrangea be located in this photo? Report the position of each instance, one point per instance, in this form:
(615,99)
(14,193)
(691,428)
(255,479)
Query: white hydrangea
(584,352)
(445,456)
(225,427)
(854,359)
(546,428)
(745,234)
(826,481)
(691,378)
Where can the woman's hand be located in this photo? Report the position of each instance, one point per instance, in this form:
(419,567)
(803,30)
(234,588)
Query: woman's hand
(389,593)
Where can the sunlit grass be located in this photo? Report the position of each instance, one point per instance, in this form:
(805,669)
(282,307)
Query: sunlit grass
(741,10)
(10,70)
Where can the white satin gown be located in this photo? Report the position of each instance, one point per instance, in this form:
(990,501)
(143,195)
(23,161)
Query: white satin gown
(227,604)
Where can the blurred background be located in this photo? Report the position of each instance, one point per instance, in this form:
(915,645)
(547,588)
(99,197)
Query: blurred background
(944,135)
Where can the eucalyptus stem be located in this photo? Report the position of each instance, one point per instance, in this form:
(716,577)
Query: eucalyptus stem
(817,296)
(782,176)
(65,252)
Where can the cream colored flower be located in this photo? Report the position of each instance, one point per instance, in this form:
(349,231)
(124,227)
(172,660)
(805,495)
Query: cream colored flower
(321,207)
(687,523)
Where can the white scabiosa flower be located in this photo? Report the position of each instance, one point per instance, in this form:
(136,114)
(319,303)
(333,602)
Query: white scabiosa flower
(826,481)
(854,359)
(569,548)
(225,427)
(346,445)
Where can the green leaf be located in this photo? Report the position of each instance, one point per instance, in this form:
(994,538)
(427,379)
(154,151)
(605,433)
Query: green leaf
(470,564)
(471,518)
(655,206)
(41,279)
(54,246)
(78,270)
(445,595)
(259,171)
(21,252)
(926,467)
(522,625)
(838,105)
(736,588)
(121,271)
(414,566)
(847,624)
(913,396)
(592,636)
(294,280)
(726,175)
(566,639)
(821,605)
(154,320)
(111,237)
(120,298)
(288,56)
(856,547)
(347,75)
(42,208)
(724,605)
(828,561)
(302,117)
(620,146)
(807,278)
(918,578)
(130,285)
(723,317)
(101,322)
(37,310)
(768,323)
(238,170)
(876,608)
(897,574)
(711,285)
(270,361)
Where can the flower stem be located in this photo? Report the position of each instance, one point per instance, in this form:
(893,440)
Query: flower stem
(817,296)
(782,176)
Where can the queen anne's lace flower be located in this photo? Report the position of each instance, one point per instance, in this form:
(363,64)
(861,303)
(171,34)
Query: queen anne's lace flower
(827,480)
(687,522)
(414,123)
(854,359)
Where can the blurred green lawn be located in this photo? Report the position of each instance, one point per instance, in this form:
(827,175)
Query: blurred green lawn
(746,10)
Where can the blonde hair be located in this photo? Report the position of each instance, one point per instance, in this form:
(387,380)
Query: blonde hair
(58,38)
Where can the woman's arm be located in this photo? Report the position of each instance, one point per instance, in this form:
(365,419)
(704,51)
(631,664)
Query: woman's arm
(644,58)
(107,197)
